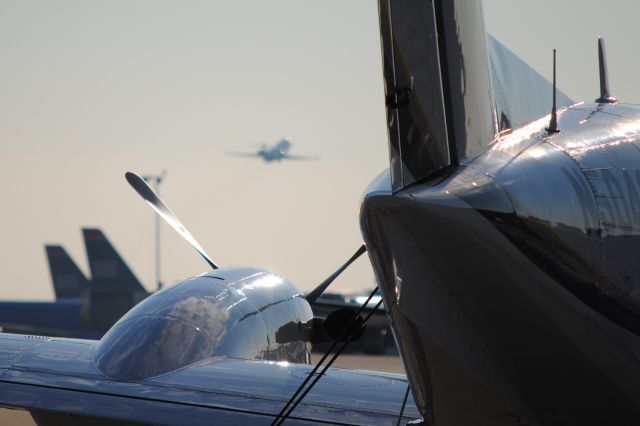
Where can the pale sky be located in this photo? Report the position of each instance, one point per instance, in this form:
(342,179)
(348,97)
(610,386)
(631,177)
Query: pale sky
(89,90)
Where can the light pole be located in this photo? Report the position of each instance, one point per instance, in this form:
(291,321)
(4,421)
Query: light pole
(157,180)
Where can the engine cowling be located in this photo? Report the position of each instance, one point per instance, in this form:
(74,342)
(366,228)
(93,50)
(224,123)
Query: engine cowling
(234,312)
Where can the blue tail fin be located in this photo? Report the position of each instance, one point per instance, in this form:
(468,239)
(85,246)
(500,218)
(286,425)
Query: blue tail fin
(68,281)
(108,269)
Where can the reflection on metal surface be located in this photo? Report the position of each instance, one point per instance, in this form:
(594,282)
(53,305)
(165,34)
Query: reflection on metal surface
(449,88)
(466,77)
(230,391)
(513,81)
(149,346)
(520,278)
(265,281)
(416,117)
(255,316)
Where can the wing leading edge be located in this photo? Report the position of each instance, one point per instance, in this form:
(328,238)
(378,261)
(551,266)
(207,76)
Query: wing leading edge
(55,378)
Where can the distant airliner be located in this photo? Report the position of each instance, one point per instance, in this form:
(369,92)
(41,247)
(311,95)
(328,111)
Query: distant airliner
(277,152)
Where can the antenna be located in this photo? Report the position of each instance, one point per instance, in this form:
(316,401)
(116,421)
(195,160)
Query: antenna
(605,96)
(553,124)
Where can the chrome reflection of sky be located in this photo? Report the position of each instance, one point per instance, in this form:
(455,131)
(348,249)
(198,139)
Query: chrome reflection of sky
(374,300)
(266,281)
(525,133)
(622,133)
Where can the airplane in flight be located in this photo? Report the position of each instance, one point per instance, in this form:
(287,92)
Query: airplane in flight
(84,308)
(503,240)
(277,152)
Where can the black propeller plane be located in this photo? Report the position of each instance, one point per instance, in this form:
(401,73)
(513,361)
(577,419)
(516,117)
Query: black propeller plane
(504,243)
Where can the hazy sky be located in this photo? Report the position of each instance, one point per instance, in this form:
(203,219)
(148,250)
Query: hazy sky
(89,90)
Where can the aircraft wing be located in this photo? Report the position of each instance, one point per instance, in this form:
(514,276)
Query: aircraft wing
(244,154)
(55,379)
(300,157)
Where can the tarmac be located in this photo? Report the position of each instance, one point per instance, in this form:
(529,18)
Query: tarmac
(384,363)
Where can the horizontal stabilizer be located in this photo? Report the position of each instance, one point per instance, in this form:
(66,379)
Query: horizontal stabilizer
(68,281)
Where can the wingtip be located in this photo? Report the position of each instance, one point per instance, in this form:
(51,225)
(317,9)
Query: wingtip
(54,249)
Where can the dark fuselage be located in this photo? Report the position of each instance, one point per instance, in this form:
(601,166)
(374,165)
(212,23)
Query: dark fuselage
(513,281)
(278,152)
(61,318)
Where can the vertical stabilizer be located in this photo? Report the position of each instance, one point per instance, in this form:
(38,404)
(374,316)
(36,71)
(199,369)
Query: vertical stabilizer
(437,85)
(466,76)
(115,289)
(108,269)
(68,281)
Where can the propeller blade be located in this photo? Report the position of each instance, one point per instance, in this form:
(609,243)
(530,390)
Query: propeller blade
(165,213)
(316,292)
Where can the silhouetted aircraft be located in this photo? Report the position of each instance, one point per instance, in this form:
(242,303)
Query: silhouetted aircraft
(83,308)
(277,152)
(66,317)
(504,245)
(68,280)
(107,267)
(114,288)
